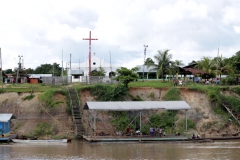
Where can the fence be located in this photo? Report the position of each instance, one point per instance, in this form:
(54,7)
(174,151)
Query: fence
(82,79)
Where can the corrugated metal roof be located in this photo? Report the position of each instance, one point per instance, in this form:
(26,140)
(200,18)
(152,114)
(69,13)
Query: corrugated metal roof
(39,75)
(137,105)
(76,72)
(5,117)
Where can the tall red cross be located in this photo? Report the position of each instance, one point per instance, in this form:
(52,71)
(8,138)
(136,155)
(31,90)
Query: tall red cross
(89,56)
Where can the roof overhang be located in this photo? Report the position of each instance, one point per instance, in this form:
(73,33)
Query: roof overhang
(5,117)
(137,105)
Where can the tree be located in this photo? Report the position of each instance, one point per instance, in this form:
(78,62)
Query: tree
(49,69)
(235,61)
(163,61)
(7,71)
(175,66)
(126,75)
(206,65)
(149,61)
(99,72)
(222,67)
(29,71)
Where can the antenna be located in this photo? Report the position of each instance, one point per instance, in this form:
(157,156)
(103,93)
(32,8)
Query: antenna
(145,49)
(110,63)
(217,60)
(70,61)
(62,62)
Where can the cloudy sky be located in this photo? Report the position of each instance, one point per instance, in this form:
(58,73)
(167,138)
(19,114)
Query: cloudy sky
(39,30)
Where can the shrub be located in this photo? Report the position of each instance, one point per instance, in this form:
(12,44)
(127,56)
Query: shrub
(43,128)
(172,94)
(29,97)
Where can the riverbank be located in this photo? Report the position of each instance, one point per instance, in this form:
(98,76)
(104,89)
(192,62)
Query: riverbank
(31,112)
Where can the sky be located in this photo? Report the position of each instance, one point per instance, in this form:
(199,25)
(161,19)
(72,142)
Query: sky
(48,31)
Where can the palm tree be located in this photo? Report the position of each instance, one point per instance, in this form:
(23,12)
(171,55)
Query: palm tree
(175,66)
(222,66)
(163,61)
(207,65)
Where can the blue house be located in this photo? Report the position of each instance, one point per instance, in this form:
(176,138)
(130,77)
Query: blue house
(5,122)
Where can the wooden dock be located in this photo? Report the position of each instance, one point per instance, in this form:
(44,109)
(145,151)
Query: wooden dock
(133,138)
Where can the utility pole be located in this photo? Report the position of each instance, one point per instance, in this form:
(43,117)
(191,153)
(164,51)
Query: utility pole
(145,49)
(19,66)
(53,81)
(1,75)
(217,61)
(70,60)
(62,62)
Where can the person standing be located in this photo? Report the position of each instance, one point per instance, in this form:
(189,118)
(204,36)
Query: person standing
(160,131)
(1,132)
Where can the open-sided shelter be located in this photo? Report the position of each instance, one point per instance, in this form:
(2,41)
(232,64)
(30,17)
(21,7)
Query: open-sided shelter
(136,106)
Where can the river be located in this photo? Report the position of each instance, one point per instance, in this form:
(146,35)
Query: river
(220,150)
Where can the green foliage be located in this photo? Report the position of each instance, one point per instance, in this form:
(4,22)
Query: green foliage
(43,128)
(49,69)
(1,90)
(232,101)
(47,98)
(126,76)
(29,97)
(236,90)
(120,121)
(145,128)
(99,72)
(163,63)
(8,71)
(172,94)
(230,80)
(164,120)
(236,61)
(17,126)
(137,98)
(181,126)
(109,93)
(151,95)
(149,61)
(213,96)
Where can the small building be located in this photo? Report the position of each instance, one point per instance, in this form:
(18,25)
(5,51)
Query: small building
(76,75)
(5,122)
(37,78)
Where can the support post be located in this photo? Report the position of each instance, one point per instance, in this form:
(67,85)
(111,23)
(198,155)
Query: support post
(94,123)
(140,118)
(186,123)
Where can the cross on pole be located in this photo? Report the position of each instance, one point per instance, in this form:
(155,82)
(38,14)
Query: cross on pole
(89,56)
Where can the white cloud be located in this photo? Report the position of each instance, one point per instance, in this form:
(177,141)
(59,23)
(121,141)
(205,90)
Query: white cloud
(237,29)
(39,30)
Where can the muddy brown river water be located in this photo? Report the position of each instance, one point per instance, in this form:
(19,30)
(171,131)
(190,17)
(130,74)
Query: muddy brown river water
(220,150)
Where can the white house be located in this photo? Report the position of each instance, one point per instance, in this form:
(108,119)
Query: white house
(79,71)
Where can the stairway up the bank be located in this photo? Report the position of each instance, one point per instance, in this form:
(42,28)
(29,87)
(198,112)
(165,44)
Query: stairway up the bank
(76,112)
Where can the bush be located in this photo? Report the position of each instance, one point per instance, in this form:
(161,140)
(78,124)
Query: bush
(43,128)
(172,94)
(47,98)
(230,80)
(29,97)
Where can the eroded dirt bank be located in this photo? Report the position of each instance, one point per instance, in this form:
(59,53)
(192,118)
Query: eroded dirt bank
(30,112)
